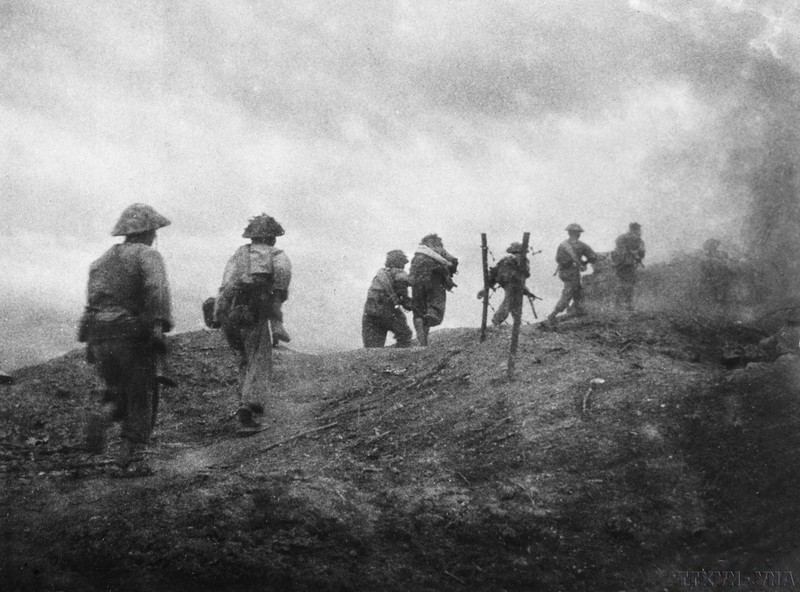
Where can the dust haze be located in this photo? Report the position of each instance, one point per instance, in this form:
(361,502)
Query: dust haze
(362,126)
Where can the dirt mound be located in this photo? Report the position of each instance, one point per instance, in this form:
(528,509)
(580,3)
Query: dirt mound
(422,469)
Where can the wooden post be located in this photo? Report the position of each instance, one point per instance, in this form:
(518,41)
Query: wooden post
(516,307)
(485,262)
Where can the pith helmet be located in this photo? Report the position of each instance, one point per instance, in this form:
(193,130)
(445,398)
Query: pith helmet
(396,258)
(515,248)
(138,218)
(574,228)
(263,226)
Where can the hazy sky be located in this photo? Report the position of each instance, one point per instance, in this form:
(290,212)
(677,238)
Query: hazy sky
(362,126)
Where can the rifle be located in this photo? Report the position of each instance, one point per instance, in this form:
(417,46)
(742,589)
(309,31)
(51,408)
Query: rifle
(531,298)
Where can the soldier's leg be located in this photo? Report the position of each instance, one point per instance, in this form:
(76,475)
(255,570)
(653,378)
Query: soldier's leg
(112,401)
(567,294)
(578,298)
(373,333)
(140,389)
(420,329)
(401,330)
(501,314)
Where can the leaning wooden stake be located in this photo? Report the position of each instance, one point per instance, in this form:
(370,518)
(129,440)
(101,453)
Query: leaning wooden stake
(485,262)
(516,306)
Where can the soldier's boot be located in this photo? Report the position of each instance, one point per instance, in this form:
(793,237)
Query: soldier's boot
(279,331)
(552,321)
(422,334)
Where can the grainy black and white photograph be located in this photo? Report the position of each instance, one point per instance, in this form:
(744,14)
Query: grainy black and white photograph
(382,295)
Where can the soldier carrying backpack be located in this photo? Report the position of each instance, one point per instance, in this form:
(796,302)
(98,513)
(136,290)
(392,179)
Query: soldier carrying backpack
(254,287)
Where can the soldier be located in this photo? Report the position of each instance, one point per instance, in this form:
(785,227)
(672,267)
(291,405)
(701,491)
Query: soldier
(510,274)
(432,270)
(386,299)
(255,285)
(718,271)
(625,258)
(127,314)
(572,257)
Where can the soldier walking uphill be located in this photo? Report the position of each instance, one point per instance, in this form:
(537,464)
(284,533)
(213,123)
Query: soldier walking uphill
(386,299)
(718,271)
(572,257)
(432,270)
(510,274)
(127,314)
(626,257)
(255,285)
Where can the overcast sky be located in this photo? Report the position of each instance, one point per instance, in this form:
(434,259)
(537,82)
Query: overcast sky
(363,125)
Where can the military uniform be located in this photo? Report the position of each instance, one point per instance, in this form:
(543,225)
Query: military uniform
(382,310)
(127,313)
(255,284)
(572,256)
(510,274)
(627,255)
(432,269)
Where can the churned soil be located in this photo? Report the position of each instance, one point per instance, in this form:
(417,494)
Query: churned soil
(621,454)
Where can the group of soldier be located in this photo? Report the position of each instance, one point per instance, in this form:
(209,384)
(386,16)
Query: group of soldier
(128,310)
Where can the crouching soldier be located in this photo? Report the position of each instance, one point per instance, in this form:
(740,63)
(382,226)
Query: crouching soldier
(432,270)
(127,314)
(510,274)
(386,299)
(255,285)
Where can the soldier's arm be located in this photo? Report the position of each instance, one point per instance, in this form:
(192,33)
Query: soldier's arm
(157,300)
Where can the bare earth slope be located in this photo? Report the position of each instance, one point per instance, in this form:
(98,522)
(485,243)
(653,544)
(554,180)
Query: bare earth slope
(420,469)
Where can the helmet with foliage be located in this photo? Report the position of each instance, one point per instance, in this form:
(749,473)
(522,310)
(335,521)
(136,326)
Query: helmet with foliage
(138,218)
(432,241)
(574,228)
(263,226)
(515,248)
(396,258)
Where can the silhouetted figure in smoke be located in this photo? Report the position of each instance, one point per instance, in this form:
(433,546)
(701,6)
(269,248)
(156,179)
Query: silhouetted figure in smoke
(718,272)
(625,258)
(572,257)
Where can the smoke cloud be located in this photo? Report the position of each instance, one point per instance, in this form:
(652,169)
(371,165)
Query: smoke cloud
(362,126)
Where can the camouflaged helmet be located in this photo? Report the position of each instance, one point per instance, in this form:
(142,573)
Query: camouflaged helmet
(574,228)
(263,226)
(711,244)
(138,218)
(634,226)
(396,258)
(431,240)
(515,248)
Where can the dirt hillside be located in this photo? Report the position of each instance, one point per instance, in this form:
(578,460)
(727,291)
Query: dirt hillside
(422,469)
